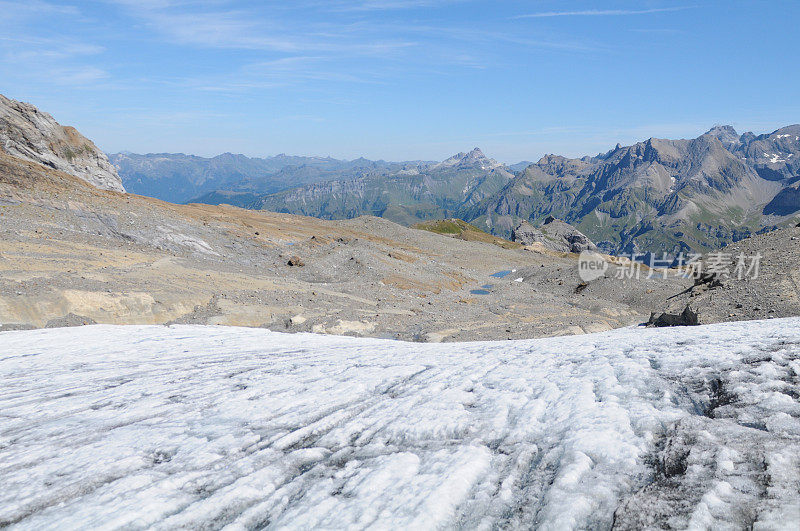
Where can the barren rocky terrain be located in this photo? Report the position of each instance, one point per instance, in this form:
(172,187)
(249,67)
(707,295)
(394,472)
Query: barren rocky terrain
(72,254)
(767,287)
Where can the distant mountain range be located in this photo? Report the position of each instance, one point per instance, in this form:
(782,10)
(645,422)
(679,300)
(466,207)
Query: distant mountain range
(180,178)
(416,193)
(654,196)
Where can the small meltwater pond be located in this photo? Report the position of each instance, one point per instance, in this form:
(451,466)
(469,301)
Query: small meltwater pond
(484,290)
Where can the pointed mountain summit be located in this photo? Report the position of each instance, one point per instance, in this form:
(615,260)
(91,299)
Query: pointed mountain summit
(475,155)
(473,158)
(725,133)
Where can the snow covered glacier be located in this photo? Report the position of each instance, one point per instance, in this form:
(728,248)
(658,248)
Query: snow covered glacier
(210,427)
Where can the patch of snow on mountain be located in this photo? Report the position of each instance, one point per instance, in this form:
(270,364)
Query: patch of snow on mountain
(206,427)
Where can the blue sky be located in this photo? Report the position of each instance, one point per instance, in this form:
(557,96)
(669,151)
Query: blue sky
(401,79)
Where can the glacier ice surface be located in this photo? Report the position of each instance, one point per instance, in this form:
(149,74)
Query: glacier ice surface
(211,427)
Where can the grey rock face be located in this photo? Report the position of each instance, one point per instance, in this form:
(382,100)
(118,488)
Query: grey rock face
(70,319)
(526,234)
(725,134)
(30,134)
(785,203)
(555,235)
(764,289)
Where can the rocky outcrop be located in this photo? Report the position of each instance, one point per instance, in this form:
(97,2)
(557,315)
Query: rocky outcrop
(555,235)
(30,134)
(295,261)
(526,234)
(688,317)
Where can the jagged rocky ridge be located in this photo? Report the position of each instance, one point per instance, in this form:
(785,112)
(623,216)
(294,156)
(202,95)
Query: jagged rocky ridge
(655,196)
(660,195)
(30,134)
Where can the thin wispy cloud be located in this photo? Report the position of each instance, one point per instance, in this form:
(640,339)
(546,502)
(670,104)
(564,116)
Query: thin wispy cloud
(485,38)
(602,12)
(296,69)
(81,75)
(35,50)
(231,29)
(244,29)
(15,8)
(55,59)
